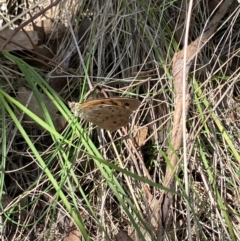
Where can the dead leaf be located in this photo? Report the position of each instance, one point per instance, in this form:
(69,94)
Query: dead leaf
(6,200)
(83,29)
(23,97)
(122,235)
(42,52)
(56,30)
(213,5)
(74,234)
(59,83)
(48,27)
(20,38)
(140,135)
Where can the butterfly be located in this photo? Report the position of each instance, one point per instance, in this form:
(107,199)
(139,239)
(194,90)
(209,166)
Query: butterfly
(107,113)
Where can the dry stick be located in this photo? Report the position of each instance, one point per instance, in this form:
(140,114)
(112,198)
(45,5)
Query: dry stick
(28,21)
(177,133)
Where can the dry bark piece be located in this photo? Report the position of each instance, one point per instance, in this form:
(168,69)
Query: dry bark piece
(20,38)
(23,97)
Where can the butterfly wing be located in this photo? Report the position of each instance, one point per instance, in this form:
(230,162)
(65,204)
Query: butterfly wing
(126,103)
(107,116)
(107,113)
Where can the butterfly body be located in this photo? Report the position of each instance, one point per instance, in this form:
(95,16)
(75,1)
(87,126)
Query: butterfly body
(107,113)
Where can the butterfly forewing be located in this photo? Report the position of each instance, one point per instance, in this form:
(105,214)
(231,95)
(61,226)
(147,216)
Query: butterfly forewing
(128,103)
(107,113)
(106,120)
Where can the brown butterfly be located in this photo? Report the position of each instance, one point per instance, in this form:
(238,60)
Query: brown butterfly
(107,113)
